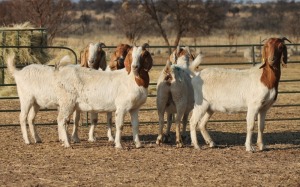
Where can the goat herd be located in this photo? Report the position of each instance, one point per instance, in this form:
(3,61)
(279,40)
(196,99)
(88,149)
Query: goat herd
(121,87)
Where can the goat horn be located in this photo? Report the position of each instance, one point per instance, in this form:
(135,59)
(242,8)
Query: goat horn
(145,45)
(263,40)
(102,45)
(284,38)
(188,49)
(178,49)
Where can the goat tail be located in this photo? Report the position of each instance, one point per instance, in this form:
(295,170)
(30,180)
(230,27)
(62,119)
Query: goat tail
(194,67)
(11,64)
(66,60)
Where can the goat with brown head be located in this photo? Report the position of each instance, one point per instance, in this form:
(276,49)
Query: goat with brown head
(118,57)
(181,52)
(93,56)
(139,61)
(274,53)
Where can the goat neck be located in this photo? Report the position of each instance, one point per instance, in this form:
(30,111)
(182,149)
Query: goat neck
(274,53)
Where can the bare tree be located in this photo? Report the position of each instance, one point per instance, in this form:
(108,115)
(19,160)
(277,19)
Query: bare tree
(49,14)
(6,17)
(85,20)
(292,27)
(183,17)
(132,22)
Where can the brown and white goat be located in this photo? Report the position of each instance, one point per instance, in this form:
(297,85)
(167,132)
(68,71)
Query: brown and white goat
(175,94)
(120,91)
(118,56)
(116,62)
(93,56)
(229,90)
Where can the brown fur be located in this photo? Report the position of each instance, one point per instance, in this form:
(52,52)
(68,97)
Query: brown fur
(100,61)
(84,56)
(273,53)
(180,53)
(115,61)
(146,63)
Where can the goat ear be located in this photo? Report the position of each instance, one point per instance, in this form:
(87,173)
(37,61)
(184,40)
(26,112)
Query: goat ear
(284,38)
(178,49)
(169,63)
(284,56)
(100,46)
(263,65)
(187,48)
(148,61)
(167,68)
(128,61)
(263,56)
(128,48)
(145,45)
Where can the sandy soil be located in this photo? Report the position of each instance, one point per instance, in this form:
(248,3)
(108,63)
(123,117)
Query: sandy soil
(100,164)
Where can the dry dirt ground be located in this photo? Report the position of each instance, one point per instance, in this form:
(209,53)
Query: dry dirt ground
(100,164)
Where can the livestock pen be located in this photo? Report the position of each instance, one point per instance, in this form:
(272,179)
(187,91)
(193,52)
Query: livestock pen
(99,164)
(289,89)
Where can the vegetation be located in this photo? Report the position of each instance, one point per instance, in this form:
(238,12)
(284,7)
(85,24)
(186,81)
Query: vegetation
(135,19)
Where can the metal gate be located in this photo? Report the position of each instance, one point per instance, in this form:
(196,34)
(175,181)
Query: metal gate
(216,55)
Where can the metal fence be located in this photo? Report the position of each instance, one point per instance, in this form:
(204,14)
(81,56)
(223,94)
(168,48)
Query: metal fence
(236,56)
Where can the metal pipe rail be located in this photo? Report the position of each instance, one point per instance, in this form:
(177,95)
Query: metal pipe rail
(153,83)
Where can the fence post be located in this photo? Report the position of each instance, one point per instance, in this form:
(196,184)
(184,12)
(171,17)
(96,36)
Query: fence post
(253,55)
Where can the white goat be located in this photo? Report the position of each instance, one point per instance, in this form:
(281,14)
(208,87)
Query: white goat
(94,57)
(175,94)
(227,90)
(36,90)
(121,91)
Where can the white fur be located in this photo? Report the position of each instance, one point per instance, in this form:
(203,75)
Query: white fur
(92,54)
(89,90)
(36,89)
(229,90)
(176,96)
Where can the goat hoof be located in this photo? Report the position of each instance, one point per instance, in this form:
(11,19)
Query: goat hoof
(212,144)
(118,146)
(38,140)
(196,146)
(92,139)
(185,138)
(166,138)
(66,145)
(250,149)
(158,142)
(261,146)
(111,139)
(75,139)
(138,145)
(179,145)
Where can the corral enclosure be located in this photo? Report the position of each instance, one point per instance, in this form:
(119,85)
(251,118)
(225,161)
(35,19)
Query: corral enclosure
(100,164)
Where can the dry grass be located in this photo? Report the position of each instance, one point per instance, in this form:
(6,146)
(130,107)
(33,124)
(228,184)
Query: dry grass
(24,38)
